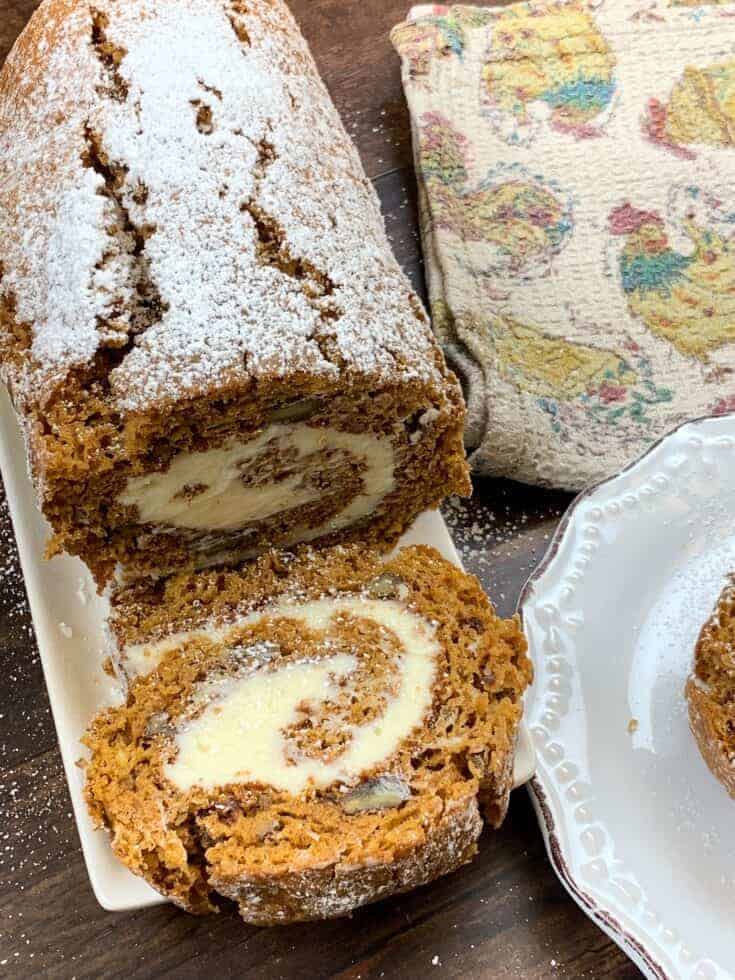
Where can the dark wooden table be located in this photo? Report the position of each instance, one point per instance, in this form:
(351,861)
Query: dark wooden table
(504,916)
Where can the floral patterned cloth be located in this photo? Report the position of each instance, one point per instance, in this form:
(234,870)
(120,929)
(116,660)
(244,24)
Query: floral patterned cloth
(576,161)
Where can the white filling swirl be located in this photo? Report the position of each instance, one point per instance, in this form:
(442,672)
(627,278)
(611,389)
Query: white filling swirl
(239,737)
(214,490)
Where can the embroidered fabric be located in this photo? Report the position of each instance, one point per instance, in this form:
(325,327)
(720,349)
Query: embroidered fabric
(575,161)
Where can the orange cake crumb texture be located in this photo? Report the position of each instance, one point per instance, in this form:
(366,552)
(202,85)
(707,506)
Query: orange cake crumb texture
(284,857)
(429,456)
(711,691)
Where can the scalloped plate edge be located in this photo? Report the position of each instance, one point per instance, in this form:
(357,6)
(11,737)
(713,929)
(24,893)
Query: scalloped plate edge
(647,955)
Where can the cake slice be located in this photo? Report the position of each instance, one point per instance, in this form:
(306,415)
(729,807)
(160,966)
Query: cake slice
(307,736)
(208,341)
(711,691)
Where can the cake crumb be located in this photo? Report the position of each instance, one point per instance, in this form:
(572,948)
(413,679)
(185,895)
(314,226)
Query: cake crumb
(633,726)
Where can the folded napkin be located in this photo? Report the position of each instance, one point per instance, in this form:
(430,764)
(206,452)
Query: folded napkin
(576,167)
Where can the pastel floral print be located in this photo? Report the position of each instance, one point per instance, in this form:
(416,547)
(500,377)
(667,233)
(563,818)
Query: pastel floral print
(522,223)
(575,384)
(576,172)
(686,298)
(622,399)
(723,406)
(701,110)
(557,368)
(441,31)
(550,64)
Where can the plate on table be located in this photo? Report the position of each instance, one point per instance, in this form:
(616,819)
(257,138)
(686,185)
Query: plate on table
(68,617)
(638,830)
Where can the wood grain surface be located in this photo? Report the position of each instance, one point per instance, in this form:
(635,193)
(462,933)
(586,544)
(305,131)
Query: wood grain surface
(504,916)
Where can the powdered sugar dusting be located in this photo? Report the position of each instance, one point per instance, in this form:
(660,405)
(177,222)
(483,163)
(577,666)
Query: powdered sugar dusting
(73,250)
(197,207)
(45,194)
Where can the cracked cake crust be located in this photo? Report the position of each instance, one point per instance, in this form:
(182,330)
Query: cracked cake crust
(189,242)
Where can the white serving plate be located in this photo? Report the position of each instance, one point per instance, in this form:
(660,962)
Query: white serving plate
(639,832)
(68,617)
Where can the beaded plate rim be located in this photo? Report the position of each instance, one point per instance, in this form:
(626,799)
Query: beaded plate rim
(645,949)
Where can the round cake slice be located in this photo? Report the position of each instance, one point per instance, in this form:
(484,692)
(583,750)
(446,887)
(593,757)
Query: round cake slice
(711,691)
(316,732)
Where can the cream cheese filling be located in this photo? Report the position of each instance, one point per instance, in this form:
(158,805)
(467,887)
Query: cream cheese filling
(239,737)
(213,491)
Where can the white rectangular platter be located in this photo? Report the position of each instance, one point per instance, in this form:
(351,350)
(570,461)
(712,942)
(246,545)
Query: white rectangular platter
(68,617)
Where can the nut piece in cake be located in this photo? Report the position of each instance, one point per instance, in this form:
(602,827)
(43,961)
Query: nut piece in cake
(298,745)
(208,342)
(711,691)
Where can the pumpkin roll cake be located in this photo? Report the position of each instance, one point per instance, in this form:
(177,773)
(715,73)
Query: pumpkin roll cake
(311,733)
(711,691)
(208,342)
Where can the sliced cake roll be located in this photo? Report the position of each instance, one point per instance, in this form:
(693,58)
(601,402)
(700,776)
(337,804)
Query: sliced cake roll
(711,691)
(305,738)
(208,341)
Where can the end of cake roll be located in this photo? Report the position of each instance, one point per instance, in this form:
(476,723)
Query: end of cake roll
(309,734)
(209,343)
(710,691)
